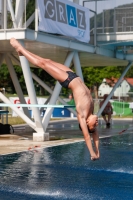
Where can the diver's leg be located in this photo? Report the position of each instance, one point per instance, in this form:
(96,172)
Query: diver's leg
(54,70)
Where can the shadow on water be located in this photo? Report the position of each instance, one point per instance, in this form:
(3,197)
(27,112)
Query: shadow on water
(66,172)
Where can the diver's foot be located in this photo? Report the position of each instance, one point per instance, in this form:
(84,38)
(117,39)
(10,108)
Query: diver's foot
(15,44)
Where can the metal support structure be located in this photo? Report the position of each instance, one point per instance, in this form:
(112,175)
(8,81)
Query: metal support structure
(3,17)
(38,80)
(95,21)
(16,83)
(22,115)
(19,12)
(12,13)
(5,14)
(29,21)
(95,25)
(114,88)
(77,65)
(114,22)
(56,93)
(103,22)
(36,16)
(53,100)
(2,14)
(31,90)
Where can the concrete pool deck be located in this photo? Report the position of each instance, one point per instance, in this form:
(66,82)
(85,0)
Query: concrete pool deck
(61,132)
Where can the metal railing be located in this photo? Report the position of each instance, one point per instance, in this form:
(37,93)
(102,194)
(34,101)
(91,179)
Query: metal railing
(117,18)
(14,15)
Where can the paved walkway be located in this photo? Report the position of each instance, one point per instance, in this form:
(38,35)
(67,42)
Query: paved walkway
(61,132)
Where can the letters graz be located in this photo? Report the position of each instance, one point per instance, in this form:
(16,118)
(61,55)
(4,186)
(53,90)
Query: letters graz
(63,13)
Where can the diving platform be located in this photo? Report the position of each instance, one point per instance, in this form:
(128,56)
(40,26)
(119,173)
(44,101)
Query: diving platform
(56,47)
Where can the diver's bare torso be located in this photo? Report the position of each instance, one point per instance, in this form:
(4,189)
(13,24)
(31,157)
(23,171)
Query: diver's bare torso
(82,97)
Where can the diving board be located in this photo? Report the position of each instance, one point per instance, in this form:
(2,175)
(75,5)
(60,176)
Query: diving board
(37,105)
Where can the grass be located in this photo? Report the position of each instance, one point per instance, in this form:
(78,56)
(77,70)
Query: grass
(14,120)
(118,116)
(18,120)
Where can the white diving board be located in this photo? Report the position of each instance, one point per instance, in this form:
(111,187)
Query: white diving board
(36,105)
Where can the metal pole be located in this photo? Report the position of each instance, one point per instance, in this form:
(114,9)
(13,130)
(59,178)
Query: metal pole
(12,13)
(2,14)
(19,9)
(5,14)
(114,88)
(36,16)
(16,83)
(31,90)
(114,20)
(95,25)
(77,65)
(103,21)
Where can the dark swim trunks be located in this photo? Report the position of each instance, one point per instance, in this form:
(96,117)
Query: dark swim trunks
(71,76)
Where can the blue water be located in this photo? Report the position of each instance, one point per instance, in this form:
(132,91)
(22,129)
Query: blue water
(66,172)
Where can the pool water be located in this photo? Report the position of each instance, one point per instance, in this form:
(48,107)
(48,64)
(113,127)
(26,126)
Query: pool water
(66,172)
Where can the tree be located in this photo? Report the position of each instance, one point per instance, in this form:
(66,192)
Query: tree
(130,73)
(93,76)
(5,79)
(43,75)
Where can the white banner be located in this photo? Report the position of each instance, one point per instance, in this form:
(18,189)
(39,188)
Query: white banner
(65,18)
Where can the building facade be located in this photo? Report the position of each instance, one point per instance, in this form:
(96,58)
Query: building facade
(121,91)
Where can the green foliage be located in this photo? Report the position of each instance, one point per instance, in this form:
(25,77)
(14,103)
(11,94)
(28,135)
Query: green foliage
(5,79)
(131,90)
(95,75)
(130,73)
(44,76)
(6,82)
(30,9)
